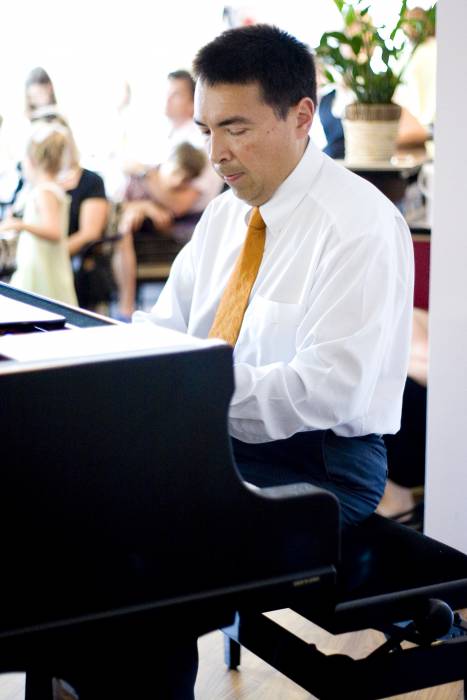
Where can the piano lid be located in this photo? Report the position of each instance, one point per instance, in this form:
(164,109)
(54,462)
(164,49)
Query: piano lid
(104,341)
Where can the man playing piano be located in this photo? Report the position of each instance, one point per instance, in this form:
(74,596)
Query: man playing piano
(314,295)
(307,271)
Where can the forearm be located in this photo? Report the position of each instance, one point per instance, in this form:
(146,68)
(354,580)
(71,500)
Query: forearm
(79,239)
(411,132)
(179,203)
(160,215)
(93,217)
(275,401)
(48,233)
(332,362)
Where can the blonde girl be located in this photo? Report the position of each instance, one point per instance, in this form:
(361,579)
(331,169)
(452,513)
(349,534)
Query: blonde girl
(43,261)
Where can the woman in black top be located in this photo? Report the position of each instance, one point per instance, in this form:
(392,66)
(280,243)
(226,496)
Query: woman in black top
(89,209)
(89,214)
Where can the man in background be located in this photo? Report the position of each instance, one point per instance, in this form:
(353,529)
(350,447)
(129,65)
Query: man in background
(204,187)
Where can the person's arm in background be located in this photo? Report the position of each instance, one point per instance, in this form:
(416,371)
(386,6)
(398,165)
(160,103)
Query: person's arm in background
(50,216)
(418,364)
(411,132)
(93,217)
(134,213)
(180,200)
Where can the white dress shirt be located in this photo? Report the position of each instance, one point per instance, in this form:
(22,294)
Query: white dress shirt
(325,338)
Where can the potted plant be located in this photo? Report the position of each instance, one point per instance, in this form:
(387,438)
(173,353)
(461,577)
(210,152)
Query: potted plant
(367,61)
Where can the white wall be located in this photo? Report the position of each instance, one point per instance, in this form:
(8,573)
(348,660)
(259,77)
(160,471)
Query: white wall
(446,493)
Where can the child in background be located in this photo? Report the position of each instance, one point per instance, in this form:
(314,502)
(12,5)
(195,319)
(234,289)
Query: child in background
(42,260)
(165,192)
(167,201)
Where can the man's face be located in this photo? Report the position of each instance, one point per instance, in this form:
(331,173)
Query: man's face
(248,144)
(179,101)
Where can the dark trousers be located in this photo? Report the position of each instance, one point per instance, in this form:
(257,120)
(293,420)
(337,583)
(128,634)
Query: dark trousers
(354,469)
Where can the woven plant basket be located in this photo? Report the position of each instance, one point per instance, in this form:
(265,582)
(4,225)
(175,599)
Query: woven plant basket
(370,132)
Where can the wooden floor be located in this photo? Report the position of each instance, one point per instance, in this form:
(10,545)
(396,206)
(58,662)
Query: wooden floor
(256,680)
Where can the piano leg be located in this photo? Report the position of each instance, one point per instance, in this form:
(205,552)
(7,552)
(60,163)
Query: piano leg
(232,649)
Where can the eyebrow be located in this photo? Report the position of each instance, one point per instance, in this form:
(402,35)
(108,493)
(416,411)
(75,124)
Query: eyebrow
(228,122)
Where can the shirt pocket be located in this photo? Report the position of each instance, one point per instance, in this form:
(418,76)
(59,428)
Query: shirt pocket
(269,331)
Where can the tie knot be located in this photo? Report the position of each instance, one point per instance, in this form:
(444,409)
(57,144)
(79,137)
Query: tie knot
(256,220)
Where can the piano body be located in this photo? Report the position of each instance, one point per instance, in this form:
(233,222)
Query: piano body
(120,500)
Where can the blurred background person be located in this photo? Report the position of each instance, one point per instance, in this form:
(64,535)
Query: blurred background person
(164,201)
(42,261)
(332,139)
(88,211)
(184,207)
(417,94)
(178,109)
(39,92)
(88,221)
(406,449)
(165,192)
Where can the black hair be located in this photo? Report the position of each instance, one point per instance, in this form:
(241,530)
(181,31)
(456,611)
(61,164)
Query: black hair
(262,53)
(183,75)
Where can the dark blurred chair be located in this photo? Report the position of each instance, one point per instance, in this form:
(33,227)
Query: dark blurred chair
(94,281)
(92,266)
(155,251)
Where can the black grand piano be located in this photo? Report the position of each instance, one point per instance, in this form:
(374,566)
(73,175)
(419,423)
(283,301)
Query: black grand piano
(118,479)
(121,507)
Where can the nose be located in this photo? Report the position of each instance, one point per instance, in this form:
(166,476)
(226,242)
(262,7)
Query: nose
(218,150)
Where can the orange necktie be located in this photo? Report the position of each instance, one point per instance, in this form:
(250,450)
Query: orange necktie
(229,315)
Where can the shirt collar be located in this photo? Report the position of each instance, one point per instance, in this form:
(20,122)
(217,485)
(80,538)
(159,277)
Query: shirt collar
(277,210)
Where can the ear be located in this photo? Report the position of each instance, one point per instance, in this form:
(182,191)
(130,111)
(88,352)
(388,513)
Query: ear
(304,112)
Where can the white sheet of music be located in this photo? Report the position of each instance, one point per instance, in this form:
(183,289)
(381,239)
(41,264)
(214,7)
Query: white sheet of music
(104,340)
(17,312)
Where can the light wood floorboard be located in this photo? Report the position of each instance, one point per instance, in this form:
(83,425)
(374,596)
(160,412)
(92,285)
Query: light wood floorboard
(257,680)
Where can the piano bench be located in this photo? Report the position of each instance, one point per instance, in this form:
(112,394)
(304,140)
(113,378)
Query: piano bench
(390,578)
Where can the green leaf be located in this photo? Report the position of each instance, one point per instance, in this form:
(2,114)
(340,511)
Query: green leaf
(356,43)
(356,73)
(350,17)
(339,36)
